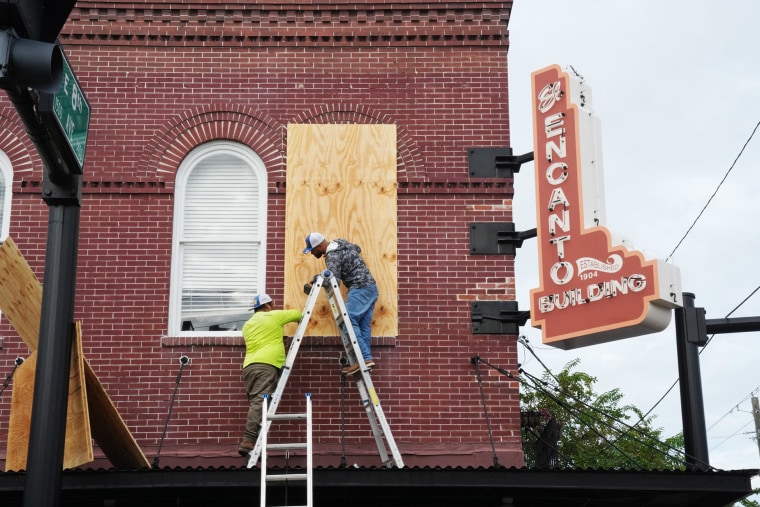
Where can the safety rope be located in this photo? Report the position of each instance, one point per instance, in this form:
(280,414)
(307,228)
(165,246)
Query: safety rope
(476,360)
(183,361)
(19,361)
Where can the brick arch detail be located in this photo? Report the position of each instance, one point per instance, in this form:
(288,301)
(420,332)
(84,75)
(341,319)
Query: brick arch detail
(409,161)
(18,147)
(165,152)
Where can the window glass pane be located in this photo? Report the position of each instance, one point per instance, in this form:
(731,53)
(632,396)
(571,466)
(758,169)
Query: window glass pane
(219,242)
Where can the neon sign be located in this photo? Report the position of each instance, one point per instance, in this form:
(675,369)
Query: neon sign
(592,290)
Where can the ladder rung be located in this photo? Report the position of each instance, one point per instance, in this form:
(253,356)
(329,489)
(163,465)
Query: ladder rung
(285,416)
(294,445)
(286,477)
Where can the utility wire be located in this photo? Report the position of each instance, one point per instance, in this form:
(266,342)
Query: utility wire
(648,438)
(731,436)
(736,407)
(714,193)
(675,383)
(524,341)
(577,413)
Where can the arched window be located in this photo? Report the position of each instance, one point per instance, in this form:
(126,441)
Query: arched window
(6,183)
(219,239)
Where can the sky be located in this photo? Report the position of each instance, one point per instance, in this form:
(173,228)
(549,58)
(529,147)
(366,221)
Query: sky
(676,84)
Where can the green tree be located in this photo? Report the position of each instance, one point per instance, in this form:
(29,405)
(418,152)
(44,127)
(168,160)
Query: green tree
(595,430)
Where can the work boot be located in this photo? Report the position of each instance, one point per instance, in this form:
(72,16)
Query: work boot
(246,446)
(350,370)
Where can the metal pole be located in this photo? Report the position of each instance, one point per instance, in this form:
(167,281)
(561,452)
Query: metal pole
(51,383)
(756,415)
(689,377)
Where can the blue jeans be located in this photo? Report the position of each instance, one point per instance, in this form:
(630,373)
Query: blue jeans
(360,305)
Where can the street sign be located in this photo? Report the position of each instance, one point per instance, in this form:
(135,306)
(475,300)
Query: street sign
(72,111)
(66,116)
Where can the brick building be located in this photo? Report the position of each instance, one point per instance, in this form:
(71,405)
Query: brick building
(192,203)
(176,83)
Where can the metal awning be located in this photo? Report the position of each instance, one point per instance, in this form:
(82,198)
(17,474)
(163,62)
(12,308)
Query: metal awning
(391,487)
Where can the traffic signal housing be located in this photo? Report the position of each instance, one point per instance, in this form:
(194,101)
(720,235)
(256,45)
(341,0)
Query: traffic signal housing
(29,63)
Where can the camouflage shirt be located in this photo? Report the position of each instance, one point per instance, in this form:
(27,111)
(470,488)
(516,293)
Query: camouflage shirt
(344,260)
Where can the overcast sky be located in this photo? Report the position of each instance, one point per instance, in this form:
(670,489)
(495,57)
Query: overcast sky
(676,84)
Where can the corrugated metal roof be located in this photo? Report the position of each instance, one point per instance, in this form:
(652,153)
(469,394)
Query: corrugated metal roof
(375,487)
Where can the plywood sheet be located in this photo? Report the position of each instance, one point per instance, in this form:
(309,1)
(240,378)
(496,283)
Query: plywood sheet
(341,181)
(20,294)
(78,443)
(21,303)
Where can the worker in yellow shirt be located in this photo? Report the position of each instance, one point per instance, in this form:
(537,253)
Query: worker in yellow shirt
(264,356)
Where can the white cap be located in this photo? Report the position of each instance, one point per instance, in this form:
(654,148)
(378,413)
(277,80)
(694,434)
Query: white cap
(312,240)
(260,301)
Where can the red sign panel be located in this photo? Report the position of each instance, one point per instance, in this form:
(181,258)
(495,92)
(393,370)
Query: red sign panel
(591,291)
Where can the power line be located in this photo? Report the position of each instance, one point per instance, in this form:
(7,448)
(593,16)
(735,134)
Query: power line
(735,407)
(730,436)
(715,192)
(700,352)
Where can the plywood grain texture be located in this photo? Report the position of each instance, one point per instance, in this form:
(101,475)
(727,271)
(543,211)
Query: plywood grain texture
(21,303)
(20,294)
(341,181)
(78,444)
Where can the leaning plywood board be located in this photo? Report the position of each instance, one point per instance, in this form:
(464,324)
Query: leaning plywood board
(20,294)
(21,303)
(78,445)
(341,181)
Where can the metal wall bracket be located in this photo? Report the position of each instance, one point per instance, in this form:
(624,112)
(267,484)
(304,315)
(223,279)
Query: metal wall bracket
(497,317)
(495,162)
(497,238)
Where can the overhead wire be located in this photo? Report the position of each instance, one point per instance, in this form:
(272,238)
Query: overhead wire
(577,413)
(731,435)
(621,432)
(714,193)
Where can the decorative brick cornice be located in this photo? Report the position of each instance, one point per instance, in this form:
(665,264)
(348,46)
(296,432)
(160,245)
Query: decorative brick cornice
(457,186)
(259,25)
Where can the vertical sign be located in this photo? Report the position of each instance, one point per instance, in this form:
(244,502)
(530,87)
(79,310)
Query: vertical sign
(72,113)
(591,290)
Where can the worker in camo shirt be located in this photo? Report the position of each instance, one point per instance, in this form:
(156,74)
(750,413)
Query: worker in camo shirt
(344,259)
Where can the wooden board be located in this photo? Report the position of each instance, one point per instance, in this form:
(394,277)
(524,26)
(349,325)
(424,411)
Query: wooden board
(20,294)
(21,302)
(78,444)
(341,181)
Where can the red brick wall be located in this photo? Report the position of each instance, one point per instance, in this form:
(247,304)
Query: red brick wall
(164,78)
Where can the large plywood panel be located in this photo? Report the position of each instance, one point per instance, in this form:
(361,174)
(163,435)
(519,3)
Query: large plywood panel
(20,294)
(341,181)
(78,443)
(21,304)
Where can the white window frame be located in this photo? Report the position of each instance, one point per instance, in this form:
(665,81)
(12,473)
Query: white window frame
(6,171)
(179,244)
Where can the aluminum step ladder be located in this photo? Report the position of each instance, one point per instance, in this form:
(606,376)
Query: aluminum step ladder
(390,455)
(306,477)
(386,445)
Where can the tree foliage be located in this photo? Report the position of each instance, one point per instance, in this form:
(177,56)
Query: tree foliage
(595,430)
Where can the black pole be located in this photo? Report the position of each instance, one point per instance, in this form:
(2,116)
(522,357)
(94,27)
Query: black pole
(51,382)
(690,381)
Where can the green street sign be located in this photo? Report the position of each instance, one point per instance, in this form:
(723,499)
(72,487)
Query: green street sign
(72,112)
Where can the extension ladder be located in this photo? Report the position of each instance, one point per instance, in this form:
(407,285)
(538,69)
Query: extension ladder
(308,476)
(381,431)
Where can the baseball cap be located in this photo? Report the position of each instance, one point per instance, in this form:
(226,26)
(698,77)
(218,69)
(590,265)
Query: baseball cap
(260,301)
(312,240)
